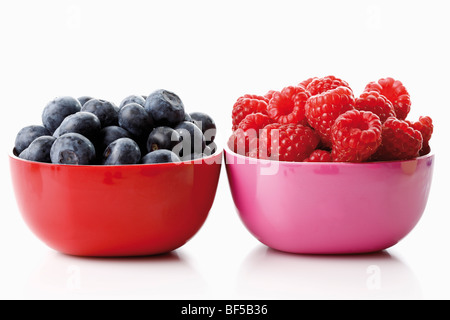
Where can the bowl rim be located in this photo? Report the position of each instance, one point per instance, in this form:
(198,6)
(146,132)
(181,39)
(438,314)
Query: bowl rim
(250,160)
(205,160)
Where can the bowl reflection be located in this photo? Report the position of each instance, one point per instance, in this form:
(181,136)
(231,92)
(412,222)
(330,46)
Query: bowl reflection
(270,274)
(164,276)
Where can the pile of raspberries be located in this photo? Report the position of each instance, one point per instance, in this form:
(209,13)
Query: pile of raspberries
(320,120)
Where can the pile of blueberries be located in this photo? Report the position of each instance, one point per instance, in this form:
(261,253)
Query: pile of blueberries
(141,130)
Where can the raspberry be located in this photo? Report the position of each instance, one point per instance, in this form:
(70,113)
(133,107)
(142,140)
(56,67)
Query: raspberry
(320,85)
(395,92)
(253,153)
(305,83)
(356,135)
(375,102)
(400,141)
(244,139)
(245,105)
(425,126)
(269,95)
(287,142)
(255,121)
(319,156)
(243,142)
(323,109)
(255,96)
(288,106)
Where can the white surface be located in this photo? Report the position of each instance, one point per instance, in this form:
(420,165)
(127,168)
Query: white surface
(210,53)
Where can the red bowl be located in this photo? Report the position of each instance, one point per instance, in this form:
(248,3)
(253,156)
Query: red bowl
(127,210)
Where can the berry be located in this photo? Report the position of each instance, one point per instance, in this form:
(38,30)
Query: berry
(255,121)
(132,99)
(356,135)
(122,151)
(323,109)
(192,139)
(187,117)
(90,131)
(321,85)
(206,124)
(319,156)
(160,156)
(39,149)
(256,97)
(212,148)
(269,95)
(56,110)
(377,103)
(108,135)
(195,155)
(27,135)
(162,138)
(425,126)
(287,142)
(288,105)
(306,82)
(84,99)
(244,142)
(84,123)
(395,92)
(254,153)
(400,141)
(165,107)
(133,118)
(106,111)
(244,139)
(245,105)
(72,148)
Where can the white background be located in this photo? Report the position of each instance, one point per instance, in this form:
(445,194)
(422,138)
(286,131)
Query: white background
(210,53)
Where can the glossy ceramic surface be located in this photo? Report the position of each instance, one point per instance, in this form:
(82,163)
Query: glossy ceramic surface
(329,208)
(115,210)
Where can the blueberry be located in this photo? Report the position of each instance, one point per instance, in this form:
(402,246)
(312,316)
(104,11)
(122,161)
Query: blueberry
(56,133)
(135,120)
(208,151)
(165,107)
(56,110)
(211,148)
(26,135)
(132,99)
(84,99)
(206,124)
(193,156)
(187,117)
(24,153)
(192,139)
(39,149)
(84,123)
(72,148)
(108,135)
(160,156)
(122,151)
(105,111)
(162,138)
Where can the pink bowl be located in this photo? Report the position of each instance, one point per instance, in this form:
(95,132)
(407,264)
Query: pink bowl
(329,208)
